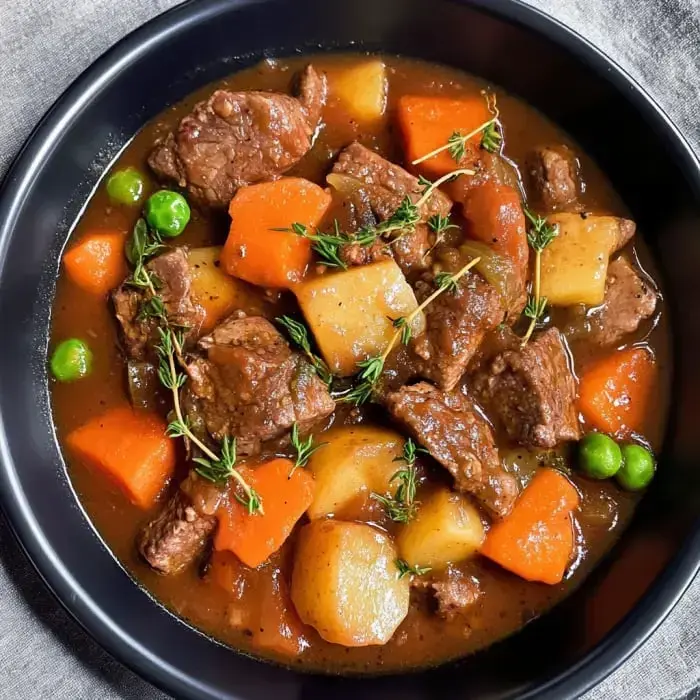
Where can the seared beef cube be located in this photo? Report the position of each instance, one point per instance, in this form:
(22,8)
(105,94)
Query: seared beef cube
(173,279)
(555,180)
(385,186)
(450,428)
(251,386)
(180,533)
(234,139)
(532,391)
(455,593)
(628,301)
(455,326)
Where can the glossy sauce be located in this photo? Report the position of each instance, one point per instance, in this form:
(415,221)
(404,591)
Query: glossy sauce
(423,638)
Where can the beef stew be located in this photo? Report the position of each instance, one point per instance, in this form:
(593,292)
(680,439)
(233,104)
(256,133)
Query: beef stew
(364,430)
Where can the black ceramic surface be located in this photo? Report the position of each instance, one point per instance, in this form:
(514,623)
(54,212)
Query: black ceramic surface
(508,43)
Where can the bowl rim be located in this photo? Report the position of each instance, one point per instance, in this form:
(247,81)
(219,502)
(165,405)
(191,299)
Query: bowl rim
(609,653)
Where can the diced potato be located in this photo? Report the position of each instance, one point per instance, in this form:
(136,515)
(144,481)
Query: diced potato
(355,461)
(350,312)
(575,263)
(345,583)
(447,529)
(218,293)
(362,89)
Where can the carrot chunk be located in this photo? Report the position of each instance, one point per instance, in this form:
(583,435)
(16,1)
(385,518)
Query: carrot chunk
(130,447)
(255,252)
(427,122)
(536,540)
(614,392)
(253,538)
(97,264)
(495,217)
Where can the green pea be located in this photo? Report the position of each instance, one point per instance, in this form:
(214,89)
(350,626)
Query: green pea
(126,186)
(167,212)
(71,360)
(599,456)
(637,469)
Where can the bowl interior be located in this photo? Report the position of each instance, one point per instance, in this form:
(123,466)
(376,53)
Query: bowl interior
(200,42)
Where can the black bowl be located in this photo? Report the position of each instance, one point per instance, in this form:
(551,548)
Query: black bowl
(511,44)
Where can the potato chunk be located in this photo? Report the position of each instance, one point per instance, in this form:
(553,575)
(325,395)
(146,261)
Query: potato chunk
(350,312)
(361,89)
(216,292)
(575,263)
(447,529)
(356,460)
(345,583)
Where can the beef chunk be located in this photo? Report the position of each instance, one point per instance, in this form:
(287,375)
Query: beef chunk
(238,138)
(554,177)
(448,425)
(455,593)
(455,326)
(532,391)
(174,279)
(251,386)
(180,532)
(385,186)
(628,301)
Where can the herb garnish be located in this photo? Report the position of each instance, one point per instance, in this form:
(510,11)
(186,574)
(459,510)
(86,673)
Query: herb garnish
(299,335)
(304,449)
(401,507)
(456,145)
(539,236)
(371,368)
(405,569)
(142,245)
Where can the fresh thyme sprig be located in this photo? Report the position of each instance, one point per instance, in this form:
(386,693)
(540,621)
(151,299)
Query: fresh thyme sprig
(401,507)
(371,369)
(213,467)
(299,335)
(405,569)
(304,449)
(142,245)
(539,236)
(456,145)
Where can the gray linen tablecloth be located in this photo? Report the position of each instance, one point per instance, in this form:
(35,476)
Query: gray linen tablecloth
(44,45)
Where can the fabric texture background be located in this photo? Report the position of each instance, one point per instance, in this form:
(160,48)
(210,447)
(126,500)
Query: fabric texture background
(44,45)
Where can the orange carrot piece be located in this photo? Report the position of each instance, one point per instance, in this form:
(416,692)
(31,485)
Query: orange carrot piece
(97,264)
(536,540)
(259,255)
(130,447)
(614,392)
(495,217)
(253,538)
(427,122)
